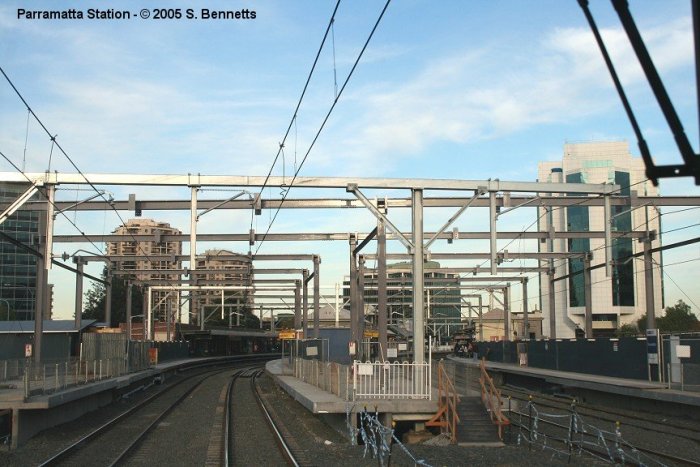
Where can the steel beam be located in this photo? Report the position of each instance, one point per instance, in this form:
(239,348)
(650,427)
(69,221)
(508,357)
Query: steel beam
(305,182)
(493,216)
(78,293)
(305,303)
(588,295)
(353,203)
(451,220)
(379,215)
(649,284)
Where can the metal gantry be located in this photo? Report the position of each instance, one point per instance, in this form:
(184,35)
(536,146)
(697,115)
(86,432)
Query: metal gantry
(492,194)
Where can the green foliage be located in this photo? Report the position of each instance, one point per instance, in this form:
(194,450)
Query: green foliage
(94,303)
(678,318)
(627,330)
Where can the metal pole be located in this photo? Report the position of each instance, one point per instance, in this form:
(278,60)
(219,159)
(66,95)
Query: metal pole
(317,296)
(41,287)
(168,314)
(79,265)
(492,230)
(418,263)
(381,289)
(337,305)
(552,303)
(526,322)
(149,315)
(649,283)
(607,214)
(353,289)
(506,312)
(108,299)
(194,311)
(297,305)
(588,296)
(128,310)
(305,303)
(361,303)
(481,324)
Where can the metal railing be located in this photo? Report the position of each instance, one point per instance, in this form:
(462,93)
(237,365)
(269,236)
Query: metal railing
(446,417)
(397,380)
(683,376)
(491,397)
(328,376)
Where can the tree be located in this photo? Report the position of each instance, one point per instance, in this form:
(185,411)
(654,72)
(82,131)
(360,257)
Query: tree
(627,330)
(94,303)
(677,318)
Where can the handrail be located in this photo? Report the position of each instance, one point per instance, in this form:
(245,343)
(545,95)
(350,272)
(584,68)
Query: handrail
(446,417)
(491,397)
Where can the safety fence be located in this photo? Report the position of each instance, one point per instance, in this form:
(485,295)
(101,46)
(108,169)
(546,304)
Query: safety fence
(396,380)
(367,380)
(683,376)
(328,376)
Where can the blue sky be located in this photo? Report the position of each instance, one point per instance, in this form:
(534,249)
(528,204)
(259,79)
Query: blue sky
(451,89)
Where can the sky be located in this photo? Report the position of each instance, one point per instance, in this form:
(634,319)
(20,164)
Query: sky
(452,89)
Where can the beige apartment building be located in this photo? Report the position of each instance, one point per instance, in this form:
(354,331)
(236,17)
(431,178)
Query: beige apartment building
(163,303)
(223,268)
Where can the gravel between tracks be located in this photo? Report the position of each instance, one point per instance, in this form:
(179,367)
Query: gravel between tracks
(316,434)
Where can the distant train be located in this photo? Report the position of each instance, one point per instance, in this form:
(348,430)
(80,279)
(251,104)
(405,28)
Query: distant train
(464,342)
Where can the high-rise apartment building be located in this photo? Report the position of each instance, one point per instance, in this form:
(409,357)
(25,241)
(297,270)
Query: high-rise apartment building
(223,268)
(163,303)
(17,266)
(619,299)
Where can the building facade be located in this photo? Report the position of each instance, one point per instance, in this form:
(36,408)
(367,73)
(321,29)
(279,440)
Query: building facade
(18,267)
(164,304)
(443,297)
(619,299)
(224,268)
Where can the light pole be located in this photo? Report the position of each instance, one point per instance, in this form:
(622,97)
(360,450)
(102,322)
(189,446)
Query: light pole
(7,304)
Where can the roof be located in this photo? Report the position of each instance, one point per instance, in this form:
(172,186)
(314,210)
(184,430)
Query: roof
(50,326)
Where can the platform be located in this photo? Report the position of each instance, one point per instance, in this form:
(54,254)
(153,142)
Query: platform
(319,401)
(650,390)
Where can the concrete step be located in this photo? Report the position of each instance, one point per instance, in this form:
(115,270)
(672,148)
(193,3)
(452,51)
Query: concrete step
(475,427)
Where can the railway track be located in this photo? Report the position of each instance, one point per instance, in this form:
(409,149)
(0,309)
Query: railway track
(638,428)
(239,422)
(116,440)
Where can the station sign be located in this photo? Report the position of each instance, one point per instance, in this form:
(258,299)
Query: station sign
(653,346)
(287,335)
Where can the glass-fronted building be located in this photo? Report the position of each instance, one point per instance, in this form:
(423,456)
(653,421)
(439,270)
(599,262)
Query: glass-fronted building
(619,299)
(17,267)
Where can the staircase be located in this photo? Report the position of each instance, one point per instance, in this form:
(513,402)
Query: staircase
(475,427)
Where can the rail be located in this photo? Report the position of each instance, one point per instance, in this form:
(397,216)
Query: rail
(446,417)
(491,397)
(397,380)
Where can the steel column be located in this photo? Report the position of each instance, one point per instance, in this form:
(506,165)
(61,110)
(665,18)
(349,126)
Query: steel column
(588,296)
(381,289)
(108,299)
(481,323)
(149,317)
(129,288)
(607,218)
(79,265)
(418,278)
(353,290)
(317,296)
(506,312)
(552,303)
(493,215)
(305,303)
(41,289)
(194,311)
(649,284)
(526,322)
(297,306)
(361,304)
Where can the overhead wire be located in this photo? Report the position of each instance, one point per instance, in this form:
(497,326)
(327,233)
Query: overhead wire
(323,123)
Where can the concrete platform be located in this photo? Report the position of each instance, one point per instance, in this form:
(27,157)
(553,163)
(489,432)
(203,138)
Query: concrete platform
(319,401)
(40,412)
(650,390)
